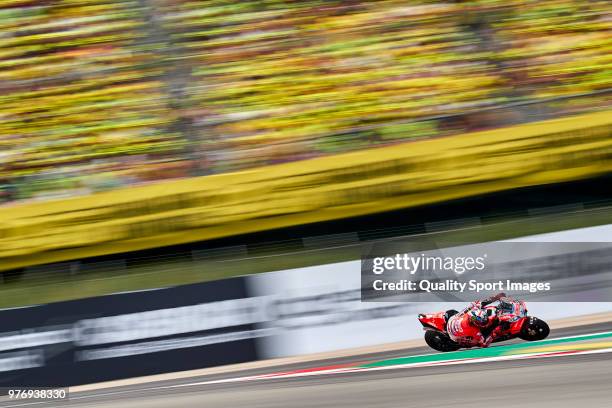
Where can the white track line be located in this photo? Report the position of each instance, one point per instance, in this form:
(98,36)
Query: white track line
(347,370)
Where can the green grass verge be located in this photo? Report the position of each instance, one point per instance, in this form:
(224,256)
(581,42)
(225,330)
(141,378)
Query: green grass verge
(38,288)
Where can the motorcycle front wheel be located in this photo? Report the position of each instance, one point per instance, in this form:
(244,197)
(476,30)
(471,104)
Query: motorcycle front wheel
(534,329)
(440,341)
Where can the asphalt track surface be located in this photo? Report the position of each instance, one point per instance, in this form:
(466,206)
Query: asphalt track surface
(569,381)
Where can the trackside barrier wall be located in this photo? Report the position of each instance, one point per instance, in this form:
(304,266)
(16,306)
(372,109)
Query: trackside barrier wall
(284,313)
(127,335)
(320,189)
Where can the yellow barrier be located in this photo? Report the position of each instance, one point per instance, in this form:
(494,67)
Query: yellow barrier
(320,189)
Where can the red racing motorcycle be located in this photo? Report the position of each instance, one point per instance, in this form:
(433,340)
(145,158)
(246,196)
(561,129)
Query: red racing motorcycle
(516,324)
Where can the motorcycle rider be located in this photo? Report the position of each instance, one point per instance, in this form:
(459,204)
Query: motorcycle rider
(475,325)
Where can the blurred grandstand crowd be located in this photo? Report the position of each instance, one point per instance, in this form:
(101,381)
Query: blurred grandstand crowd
(99,94)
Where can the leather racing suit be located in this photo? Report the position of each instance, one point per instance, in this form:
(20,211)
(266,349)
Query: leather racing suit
(461,329)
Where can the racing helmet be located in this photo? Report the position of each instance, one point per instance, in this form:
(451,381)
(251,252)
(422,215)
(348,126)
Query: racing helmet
(479,317)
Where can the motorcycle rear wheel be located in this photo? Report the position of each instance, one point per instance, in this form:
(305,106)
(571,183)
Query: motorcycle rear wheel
(440,341)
